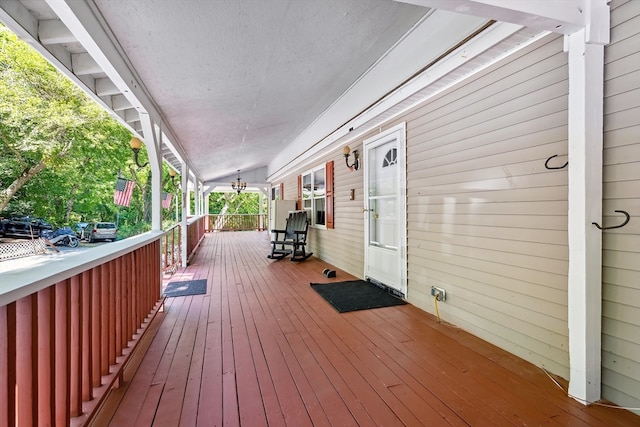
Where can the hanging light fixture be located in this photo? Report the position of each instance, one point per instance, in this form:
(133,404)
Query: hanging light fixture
(237,185)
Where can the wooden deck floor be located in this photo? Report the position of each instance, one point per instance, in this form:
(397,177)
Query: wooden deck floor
(262,348)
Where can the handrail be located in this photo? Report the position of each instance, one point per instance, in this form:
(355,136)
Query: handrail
(20,282)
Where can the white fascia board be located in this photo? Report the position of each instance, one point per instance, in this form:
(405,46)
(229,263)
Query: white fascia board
(426,41)
(564,17)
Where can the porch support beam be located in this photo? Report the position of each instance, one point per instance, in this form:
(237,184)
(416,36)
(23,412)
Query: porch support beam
(184,188)
(586,74)
(153,144)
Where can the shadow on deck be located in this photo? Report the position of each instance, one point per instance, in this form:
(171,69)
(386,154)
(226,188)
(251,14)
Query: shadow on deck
(262,348)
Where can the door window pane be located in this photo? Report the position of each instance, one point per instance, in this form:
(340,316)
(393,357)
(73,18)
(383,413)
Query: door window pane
(382,177)
(383,223)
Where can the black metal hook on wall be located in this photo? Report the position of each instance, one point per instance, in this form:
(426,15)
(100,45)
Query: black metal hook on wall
(626,221)
(546,164)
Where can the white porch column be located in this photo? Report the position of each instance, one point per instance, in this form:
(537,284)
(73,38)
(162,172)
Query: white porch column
(184,175)
(586,70)
(153,143)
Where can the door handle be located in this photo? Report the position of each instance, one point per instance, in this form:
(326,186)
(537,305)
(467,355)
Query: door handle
(366,210)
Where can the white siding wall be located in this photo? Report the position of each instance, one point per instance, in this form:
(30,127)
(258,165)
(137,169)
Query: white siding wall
(621,190)
(486,221)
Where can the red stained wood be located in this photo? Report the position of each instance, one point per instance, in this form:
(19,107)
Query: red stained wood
(26,382)
(104,320)
(46,352)
(62,333)
(96,326)
(117,284)
(86,378)
(6,396)
(75,350)
(263,348)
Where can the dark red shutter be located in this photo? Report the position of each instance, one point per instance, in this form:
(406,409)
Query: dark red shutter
(329,193)
(300,192)
(282,191)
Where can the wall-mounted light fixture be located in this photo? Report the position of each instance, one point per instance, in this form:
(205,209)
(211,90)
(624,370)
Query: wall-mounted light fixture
(136,144)
(356,162)
(237,185)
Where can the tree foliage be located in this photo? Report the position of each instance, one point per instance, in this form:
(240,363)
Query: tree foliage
(233,203)
(60,152)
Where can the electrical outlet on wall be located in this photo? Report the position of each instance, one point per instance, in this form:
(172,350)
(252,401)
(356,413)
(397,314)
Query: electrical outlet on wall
(439,293)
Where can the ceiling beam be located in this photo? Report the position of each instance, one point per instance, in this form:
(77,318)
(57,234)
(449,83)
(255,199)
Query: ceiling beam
(564,17)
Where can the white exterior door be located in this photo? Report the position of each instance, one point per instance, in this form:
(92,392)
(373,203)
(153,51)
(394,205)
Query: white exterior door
(385,209)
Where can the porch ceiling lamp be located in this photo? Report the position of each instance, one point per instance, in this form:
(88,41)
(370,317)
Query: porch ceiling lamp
(356,158)
(135,145)
(237,185)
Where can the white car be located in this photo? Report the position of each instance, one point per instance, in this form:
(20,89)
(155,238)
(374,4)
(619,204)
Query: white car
(101,231)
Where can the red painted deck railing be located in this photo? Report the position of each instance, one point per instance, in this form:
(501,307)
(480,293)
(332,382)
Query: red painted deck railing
(236,222)
(171,249)
(65,335)
(196,227)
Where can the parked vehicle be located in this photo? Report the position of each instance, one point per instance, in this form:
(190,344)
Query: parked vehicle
(23,227)
(101,231)
(64,236)
(81,230)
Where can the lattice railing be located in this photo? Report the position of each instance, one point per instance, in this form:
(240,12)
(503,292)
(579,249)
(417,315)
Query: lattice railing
(22,248)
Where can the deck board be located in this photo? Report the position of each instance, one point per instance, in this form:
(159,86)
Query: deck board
(262,348)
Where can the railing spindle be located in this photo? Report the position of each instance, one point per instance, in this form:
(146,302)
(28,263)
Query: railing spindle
(62,353)
(75,354)
(46,352)
(96,330)
(5,392)
(27,354)
(87,380)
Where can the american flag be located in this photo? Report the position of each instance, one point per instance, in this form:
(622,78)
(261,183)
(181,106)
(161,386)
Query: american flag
(166,200)
(123,192)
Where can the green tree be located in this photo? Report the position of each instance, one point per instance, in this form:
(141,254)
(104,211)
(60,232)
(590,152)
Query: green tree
(41,115)
(60,152)
(233,203)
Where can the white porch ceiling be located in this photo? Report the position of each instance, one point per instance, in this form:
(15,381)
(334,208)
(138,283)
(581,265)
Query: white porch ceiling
(242,84)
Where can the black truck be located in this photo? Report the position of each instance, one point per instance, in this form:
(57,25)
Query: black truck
(23,227)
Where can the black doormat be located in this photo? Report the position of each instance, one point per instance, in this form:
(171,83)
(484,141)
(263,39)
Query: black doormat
(190,287)
(355,295)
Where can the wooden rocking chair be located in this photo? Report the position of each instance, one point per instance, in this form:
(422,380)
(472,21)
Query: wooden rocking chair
(293,239)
